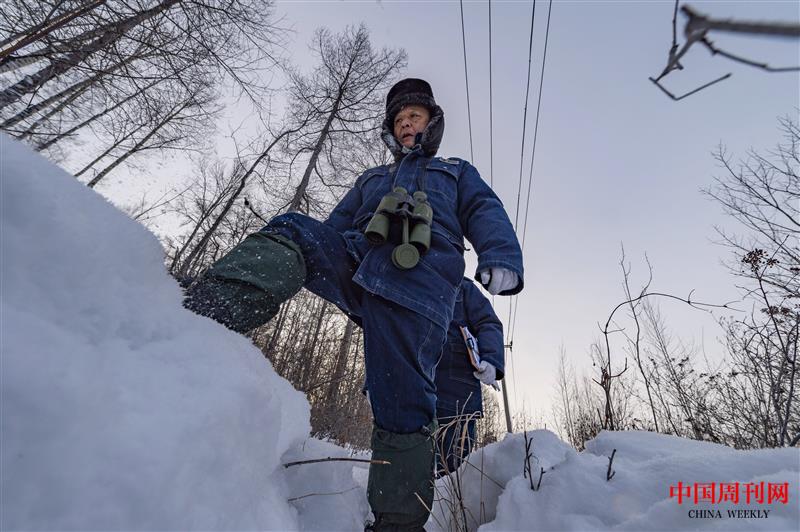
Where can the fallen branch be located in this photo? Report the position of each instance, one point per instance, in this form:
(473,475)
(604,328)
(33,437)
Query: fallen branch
(315,494)
(332,459)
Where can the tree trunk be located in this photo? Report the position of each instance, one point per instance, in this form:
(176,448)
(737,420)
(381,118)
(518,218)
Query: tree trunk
(107,151)
(45,28)
(139,145)
(201,245)
(50,114)
(9,40)
(312,163)
(310,348)
(58,67)
(285,358)
(61,136)
(341,363)
(70,93)
(269,348)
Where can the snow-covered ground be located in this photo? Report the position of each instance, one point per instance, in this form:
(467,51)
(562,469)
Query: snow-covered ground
(120,410)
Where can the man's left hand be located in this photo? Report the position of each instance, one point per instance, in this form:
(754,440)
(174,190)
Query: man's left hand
(497,280)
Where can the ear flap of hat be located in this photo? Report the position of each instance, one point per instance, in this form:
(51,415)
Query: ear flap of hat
(433,133)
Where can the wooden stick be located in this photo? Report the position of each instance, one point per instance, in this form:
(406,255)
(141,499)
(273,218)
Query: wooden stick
(331,459)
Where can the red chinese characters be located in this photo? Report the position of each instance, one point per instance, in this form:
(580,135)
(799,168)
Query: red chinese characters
(731,492)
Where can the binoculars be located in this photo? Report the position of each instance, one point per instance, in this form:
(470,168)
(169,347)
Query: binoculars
(416,216)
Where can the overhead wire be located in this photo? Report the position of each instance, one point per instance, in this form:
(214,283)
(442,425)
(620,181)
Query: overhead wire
(466,82)
(513,304)
(525,116)
(536,126)
(533,156)
(491,128)
(509,332)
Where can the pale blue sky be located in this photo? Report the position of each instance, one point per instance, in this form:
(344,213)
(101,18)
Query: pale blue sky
(616,160)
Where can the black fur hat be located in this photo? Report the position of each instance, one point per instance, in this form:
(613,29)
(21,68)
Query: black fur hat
(411,91)
(406,92)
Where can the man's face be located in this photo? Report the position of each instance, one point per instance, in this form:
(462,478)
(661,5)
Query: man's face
(411,120)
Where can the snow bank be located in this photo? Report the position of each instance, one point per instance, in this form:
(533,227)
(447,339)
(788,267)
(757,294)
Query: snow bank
(120,409)
(575,495)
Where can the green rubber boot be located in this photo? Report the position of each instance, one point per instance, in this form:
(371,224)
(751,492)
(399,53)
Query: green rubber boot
(401,493)
(245,288)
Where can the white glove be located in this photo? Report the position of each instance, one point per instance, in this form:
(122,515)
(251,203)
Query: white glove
(487,373)
(497,280)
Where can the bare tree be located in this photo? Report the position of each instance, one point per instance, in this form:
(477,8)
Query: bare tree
(136,75)
(344,97)
(80,49)
(762,192)
(171,125)
(490,427)
(208,213)
(602,354)
(228,37)
(578,409)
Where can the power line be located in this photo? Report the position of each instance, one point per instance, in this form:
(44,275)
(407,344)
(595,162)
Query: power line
(466,81)
(536,127)
(491,129)
(510,332)
(530,176)
(525,117)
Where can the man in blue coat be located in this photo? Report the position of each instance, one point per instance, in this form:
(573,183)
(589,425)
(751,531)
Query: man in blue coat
(458,381)
(398,285)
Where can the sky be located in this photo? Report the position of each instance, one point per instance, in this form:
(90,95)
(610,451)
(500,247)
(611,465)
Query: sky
(616,162)
(121,410)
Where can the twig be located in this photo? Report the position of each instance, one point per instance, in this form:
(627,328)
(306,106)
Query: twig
(428,509)
(696,30)
(610,474)
(332,459)
(681,97)
(250,206)
(484,474)
(526,467)
(539,483)
(315,494)
(454,502)
(717,51)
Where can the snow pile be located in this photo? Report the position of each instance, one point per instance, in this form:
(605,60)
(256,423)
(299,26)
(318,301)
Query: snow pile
(120,409)
(575,495)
